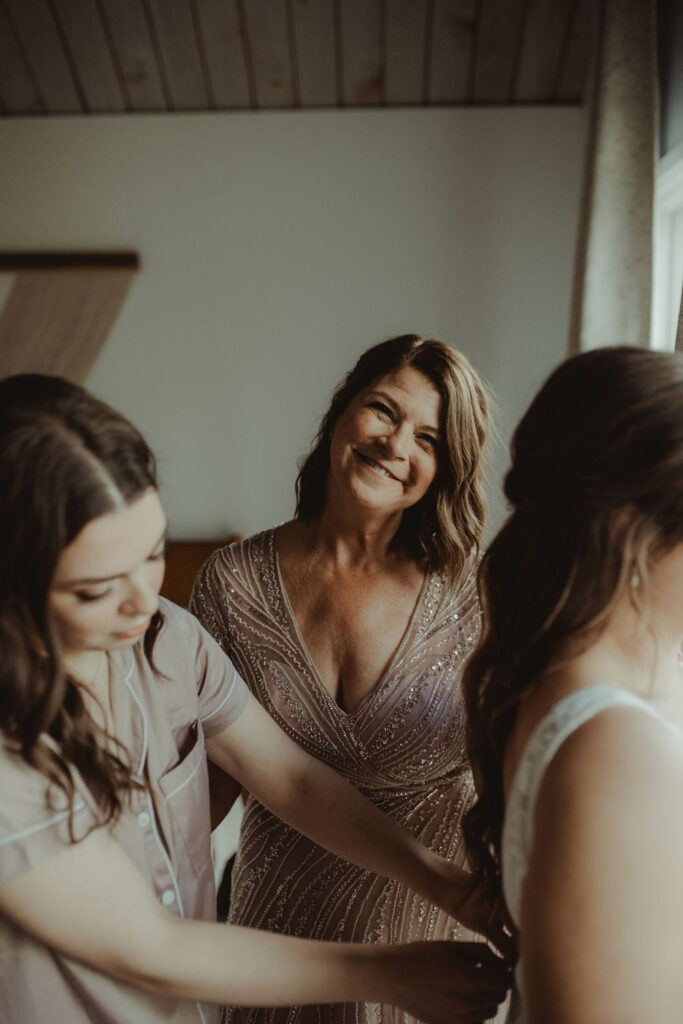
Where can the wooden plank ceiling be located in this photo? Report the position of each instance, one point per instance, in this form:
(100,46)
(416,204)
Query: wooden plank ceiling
(117,56)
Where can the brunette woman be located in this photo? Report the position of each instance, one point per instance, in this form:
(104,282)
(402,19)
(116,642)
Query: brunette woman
(575,695)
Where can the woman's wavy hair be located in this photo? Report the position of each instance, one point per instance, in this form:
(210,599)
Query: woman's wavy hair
(65,459)
(595,489)
(447,524)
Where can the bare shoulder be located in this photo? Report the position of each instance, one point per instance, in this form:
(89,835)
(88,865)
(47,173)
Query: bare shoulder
(617,776)
(602,884)
(620,749)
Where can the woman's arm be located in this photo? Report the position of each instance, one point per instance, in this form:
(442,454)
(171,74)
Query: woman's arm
(92,903)
(601,929)
(318,802)
(223,792)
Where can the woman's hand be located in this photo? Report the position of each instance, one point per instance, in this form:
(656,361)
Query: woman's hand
(458,892)
(446,982)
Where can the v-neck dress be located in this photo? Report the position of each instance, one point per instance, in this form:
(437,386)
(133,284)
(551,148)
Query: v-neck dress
(402,746)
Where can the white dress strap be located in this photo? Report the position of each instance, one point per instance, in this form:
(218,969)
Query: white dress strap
(562,720)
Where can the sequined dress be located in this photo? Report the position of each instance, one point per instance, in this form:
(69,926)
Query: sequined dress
(403,747)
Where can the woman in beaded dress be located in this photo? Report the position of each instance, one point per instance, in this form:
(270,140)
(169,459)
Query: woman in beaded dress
(351,625)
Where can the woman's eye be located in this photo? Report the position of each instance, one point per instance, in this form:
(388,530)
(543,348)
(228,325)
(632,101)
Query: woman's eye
(85,598)
(383,409)
(158,556)
(428,439)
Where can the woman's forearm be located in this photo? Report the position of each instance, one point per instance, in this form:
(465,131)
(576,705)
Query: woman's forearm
(439,982)
(216,963)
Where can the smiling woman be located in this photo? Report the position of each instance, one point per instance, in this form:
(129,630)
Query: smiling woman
(351,625)
(391,431)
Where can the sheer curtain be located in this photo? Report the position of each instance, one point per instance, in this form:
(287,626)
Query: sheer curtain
(613,269)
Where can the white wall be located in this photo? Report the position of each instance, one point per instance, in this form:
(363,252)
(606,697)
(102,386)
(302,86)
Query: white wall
(277,246)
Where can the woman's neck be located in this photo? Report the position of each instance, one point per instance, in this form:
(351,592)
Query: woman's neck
(89,668)
(355,538)
(629,653)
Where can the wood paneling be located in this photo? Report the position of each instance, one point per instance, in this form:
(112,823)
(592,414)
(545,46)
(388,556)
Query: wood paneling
(267,31)
(133,54)
(57,320)
(19,92)
(71,56)
(406,27)
(362,46)
(499,42)
(81,26)
(546,30)
(172,26)
(315,48)
(573,73)
(221,32)
(453,38)
(35,27)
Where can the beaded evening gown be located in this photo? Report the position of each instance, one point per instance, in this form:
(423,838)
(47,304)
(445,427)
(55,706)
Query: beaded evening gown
(403,747)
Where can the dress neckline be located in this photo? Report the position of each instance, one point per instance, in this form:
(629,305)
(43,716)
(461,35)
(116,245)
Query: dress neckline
(379,683)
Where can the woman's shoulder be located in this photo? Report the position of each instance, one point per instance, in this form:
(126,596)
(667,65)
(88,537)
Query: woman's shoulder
(579,730)
(605,755)
(603,857)
(236,562)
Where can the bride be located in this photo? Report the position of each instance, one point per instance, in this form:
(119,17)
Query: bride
(575,695)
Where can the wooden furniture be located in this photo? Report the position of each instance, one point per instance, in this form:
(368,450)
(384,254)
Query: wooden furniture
(184,559)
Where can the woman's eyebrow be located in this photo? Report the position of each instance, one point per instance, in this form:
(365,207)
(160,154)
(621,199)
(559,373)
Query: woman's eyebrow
(116,576)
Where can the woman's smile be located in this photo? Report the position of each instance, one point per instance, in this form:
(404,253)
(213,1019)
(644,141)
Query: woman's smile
(377,466)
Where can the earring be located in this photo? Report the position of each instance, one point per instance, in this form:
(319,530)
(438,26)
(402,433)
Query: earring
(635,577)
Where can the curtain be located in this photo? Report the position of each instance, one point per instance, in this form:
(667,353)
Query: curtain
(612,288)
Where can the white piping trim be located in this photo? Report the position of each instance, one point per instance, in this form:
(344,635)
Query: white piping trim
(164,853)
(150,803)
(46,823)
(192,773)
(201,1014)
(131,688)
(205,718)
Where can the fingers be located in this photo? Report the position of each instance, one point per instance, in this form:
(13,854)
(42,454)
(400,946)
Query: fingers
(504,943)
(478,954)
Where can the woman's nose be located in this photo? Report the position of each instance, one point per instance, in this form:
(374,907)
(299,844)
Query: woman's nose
(397,441)
(141,599)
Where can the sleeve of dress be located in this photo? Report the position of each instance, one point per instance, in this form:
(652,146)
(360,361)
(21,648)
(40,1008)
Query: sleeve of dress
(221,692)
(34,817)
(469,610)
(209,600)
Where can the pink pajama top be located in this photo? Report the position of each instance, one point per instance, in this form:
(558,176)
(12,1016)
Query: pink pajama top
(164,828)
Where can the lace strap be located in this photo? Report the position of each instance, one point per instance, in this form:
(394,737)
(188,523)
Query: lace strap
(562,720)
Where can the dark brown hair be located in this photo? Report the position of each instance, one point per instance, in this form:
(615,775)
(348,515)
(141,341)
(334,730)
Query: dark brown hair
(596,485)
(65,459)
(443,528)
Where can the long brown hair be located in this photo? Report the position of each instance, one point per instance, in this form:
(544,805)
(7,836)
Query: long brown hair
(447,524)
(65,459)
(596,486)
